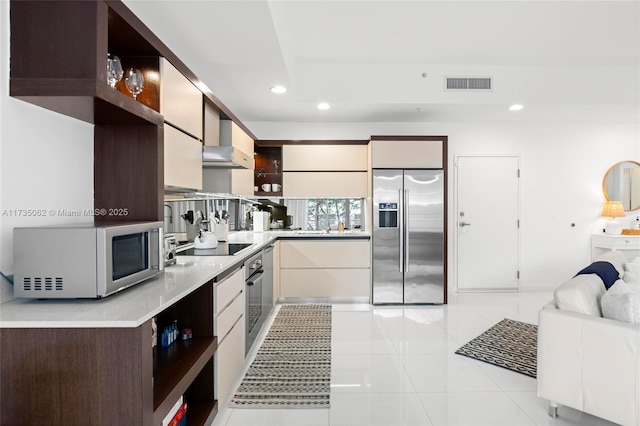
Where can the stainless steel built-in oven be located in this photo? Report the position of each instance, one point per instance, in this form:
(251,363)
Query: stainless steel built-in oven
(253,273)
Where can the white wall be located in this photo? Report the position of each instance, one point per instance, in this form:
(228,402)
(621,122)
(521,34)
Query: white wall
(562,165)
(46,162)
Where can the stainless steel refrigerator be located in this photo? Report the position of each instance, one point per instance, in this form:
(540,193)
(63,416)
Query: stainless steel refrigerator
(408,236)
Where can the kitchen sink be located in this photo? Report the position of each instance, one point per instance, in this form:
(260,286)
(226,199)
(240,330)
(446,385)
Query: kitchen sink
(324,232)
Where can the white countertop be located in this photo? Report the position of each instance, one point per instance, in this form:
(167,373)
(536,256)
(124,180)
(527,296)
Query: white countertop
(133,306)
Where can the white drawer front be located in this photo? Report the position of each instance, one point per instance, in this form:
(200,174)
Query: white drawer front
(325,283)
(629,242)
(228,289)
(229,316)
(325,254)
(229,361)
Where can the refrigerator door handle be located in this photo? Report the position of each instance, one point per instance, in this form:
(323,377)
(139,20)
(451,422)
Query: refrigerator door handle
(401,230)
(405,221)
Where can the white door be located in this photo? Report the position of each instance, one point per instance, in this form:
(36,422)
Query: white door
(487,223)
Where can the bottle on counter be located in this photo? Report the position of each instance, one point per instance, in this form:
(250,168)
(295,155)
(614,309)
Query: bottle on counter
(341,226)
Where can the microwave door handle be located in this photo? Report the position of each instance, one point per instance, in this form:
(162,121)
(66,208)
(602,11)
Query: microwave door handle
(156,248)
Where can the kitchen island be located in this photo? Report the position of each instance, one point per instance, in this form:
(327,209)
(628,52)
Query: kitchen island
(92,361)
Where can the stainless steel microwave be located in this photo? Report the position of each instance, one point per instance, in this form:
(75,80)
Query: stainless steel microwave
(85,260)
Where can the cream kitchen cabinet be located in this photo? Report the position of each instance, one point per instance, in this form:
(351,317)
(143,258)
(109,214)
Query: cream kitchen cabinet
(229,327)
(406,153)
(325,184)
(232,135)
(211,126)
(182,160)
(181,106)
(324,158)
(228,181)
(232,181)
(180,101)
(276,272)
(325,171)
(325,269)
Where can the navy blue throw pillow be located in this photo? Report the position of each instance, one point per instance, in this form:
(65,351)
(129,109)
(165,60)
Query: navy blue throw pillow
(605,270)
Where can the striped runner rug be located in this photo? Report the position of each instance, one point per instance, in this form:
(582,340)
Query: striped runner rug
(292,368)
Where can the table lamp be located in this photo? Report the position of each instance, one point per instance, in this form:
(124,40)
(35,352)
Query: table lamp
(613,209)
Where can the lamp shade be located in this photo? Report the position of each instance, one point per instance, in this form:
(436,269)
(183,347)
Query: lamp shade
(613,209)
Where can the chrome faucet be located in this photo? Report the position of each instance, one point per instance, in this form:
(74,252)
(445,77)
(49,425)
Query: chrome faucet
(170,213)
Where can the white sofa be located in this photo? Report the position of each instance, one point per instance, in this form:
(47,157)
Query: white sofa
(585,361)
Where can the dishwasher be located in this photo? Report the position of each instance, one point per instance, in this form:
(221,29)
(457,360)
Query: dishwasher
(253,275)
(267,281)
(258,272)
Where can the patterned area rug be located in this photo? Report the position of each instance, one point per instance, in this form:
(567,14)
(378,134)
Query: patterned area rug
(509,344)
(292,368)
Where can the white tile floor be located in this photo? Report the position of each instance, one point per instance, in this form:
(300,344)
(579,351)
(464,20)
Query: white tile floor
(395,366)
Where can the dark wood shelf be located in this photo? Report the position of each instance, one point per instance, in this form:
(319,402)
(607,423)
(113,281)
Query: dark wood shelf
(88,100)
(198,413)
(268,194)
(175,367)
(72,79)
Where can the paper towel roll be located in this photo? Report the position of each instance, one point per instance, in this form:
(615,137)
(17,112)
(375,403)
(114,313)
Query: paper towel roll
(261,221)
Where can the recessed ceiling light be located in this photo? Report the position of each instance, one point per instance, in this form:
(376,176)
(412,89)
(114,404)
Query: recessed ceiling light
(323,105)
(278,89)
(516,107)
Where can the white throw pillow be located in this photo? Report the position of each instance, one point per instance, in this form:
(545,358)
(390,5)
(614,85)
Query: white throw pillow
(616,258)
(632,271)
(581,294)
(631,278)
(622,302)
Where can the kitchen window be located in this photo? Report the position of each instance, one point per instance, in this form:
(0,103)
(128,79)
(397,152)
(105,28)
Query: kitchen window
(325,213)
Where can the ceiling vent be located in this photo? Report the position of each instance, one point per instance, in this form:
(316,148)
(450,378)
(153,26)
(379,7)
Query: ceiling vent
(468,83)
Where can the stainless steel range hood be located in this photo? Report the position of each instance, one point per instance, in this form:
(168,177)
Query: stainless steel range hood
(227,157)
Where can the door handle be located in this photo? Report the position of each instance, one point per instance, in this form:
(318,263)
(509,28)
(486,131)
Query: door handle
(405,229)
(401,229)
(462,224)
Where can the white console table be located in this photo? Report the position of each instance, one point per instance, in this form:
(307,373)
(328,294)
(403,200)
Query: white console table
(628,244)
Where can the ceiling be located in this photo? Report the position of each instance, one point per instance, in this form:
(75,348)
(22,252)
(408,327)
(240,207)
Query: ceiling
(386,61)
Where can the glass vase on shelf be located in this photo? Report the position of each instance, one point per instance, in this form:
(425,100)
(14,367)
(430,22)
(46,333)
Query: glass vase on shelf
(276,166)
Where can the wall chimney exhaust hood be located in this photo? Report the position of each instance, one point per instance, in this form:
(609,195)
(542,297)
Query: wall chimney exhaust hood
(227,157)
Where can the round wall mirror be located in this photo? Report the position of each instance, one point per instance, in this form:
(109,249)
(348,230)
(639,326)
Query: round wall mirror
(622,183)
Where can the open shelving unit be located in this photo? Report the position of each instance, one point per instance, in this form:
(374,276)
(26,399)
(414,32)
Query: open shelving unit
(186,367)
(102,375)
(265,171)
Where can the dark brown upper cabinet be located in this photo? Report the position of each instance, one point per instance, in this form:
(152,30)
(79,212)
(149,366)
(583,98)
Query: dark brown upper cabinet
(59,59)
